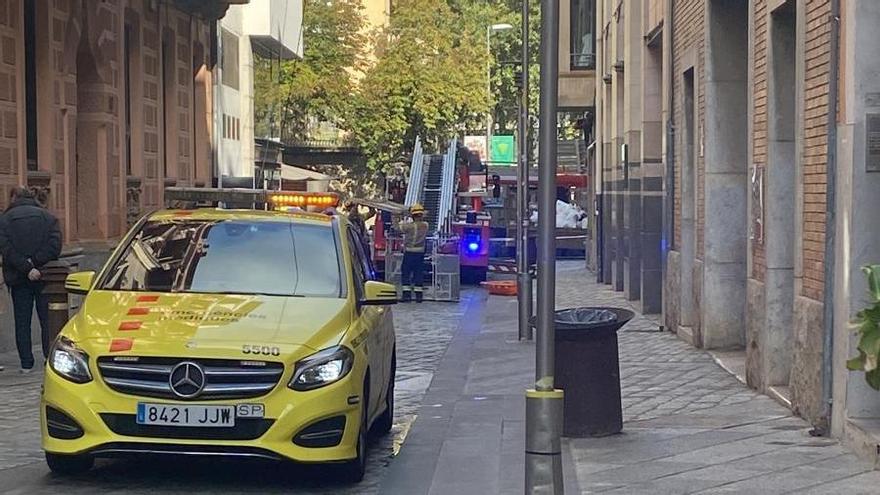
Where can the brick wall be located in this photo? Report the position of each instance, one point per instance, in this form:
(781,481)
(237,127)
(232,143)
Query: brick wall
(816,61)
(689,39)
(813,153)
(759,124)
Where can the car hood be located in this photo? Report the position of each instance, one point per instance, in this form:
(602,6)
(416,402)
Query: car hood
(203,324)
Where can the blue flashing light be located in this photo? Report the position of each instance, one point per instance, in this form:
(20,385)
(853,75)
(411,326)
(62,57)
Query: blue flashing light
(473,247)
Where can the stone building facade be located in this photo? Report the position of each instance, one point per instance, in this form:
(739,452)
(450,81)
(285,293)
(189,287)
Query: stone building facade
(725,112)
(105,103)
(628,149)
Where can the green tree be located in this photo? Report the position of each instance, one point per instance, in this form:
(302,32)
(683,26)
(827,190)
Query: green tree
(505,57)
(428,80)
(292,94)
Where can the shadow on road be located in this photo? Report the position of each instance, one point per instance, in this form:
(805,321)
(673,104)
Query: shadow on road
(148,474)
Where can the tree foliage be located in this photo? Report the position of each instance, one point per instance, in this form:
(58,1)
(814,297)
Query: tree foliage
(868,331)
(428,81)
(427,76)
(292,94)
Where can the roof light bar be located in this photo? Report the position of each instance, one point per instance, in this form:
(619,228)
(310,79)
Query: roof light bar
(282,200)
(277,200)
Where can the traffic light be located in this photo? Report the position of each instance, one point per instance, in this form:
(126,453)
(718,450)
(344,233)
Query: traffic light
(518,79)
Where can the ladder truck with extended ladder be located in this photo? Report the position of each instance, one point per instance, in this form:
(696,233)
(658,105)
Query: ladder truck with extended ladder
(458,242)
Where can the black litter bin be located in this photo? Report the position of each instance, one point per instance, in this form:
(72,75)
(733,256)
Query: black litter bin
(587,370)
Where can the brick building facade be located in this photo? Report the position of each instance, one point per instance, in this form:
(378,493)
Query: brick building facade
(104,103)
(726,103)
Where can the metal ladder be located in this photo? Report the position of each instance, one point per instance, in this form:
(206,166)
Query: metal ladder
(432,183)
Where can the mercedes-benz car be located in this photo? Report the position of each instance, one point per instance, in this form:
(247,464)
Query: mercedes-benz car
(217,332)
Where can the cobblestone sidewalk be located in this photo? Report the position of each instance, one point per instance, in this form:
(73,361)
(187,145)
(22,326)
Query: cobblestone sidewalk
(691,427)
(19,423)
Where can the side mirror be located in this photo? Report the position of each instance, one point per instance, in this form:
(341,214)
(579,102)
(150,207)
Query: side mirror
(79,282)
(379,294)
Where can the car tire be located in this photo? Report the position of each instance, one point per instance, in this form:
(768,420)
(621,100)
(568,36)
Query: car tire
(353,471)
(386,421)
(69,464)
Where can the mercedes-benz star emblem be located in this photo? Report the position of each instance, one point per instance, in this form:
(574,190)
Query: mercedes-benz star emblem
(187,380)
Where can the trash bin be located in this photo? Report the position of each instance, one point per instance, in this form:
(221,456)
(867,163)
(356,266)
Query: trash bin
(587,369)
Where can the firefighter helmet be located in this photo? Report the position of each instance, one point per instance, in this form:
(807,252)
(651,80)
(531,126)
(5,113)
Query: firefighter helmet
(417,209)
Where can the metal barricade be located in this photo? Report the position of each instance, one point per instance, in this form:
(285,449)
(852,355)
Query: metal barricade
(446,270)
(444,283)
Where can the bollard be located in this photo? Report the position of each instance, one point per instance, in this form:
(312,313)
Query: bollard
(54,275)
(543,445)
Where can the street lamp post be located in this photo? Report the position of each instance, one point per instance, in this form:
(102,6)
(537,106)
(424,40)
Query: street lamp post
(489,30)
(544,402)
(523,274)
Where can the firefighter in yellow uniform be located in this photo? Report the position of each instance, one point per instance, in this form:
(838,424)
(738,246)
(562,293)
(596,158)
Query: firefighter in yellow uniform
(414,234)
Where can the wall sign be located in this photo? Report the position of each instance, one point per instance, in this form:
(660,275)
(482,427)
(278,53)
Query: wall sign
(757,222)
(872,142)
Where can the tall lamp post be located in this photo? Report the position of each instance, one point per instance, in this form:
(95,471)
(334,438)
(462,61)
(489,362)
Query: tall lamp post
(544,402)
(523,273)
(489,30)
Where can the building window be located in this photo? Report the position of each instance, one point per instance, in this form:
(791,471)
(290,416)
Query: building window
(30,84)
(229,49)
(583,22)
(129,59)
(167,54)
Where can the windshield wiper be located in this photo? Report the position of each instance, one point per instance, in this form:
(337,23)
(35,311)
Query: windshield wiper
(237,293)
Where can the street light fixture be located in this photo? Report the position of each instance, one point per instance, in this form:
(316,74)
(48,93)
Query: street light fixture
(493,28)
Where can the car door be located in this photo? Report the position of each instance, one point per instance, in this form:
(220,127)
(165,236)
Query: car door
(369,318)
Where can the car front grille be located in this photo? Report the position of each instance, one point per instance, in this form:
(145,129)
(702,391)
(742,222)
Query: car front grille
(244,429)
(223,379)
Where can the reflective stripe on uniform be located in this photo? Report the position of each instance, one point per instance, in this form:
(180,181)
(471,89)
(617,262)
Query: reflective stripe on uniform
(414,234)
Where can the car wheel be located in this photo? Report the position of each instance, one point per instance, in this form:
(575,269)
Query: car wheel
(386,420)
(69,464)
(353,471)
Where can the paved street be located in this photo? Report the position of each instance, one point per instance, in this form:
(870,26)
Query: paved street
(423,333)
(691,427)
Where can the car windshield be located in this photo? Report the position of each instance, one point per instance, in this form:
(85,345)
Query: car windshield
(278,258)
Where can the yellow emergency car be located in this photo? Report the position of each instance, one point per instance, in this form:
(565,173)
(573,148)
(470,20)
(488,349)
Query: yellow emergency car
(221,332)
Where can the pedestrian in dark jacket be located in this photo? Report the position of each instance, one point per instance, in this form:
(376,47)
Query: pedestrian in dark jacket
(29,238)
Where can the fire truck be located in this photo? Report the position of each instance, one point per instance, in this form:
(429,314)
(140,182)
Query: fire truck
(457,227)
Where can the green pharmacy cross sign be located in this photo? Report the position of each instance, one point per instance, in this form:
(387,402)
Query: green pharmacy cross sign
(502,150)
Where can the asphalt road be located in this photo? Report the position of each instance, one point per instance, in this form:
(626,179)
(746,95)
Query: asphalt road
(423,333)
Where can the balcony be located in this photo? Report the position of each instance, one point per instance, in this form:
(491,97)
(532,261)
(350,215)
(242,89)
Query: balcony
(274,27)
(207,9)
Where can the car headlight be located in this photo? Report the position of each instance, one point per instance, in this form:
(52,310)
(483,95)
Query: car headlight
(69,361)
(322,368)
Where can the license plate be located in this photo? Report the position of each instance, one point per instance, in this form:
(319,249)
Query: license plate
(185,415)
